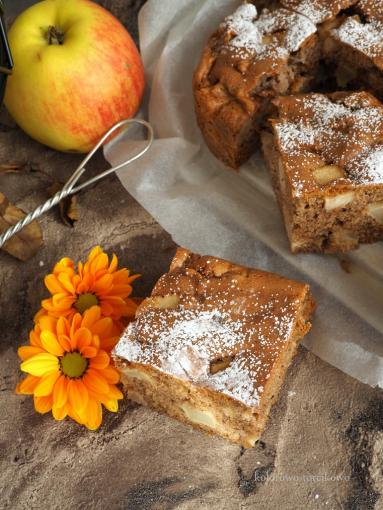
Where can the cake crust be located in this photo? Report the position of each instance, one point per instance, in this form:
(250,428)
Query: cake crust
(214,340)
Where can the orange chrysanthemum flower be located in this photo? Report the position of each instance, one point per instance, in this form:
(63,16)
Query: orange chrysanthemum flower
(97,282)
(69,369)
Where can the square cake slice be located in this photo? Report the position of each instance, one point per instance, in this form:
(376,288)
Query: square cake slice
(212,344)
(250,59)
(325,155)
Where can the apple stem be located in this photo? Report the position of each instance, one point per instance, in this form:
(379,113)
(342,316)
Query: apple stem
(54,36)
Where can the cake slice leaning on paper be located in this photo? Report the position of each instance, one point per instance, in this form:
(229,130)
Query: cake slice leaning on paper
(212,344)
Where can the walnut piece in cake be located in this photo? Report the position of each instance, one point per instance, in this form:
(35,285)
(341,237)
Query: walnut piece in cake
(249,60)
(325,154)
(212,344)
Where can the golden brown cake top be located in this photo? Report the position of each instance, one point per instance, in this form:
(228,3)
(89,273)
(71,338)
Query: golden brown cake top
(318,11)
(216,324)
(366,37)
(343,131)
(271,35)
(246,47)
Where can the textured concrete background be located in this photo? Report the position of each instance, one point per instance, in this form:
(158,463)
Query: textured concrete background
(325,424)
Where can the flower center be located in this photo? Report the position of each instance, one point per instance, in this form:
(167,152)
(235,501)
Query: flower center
(86,301)
(73,364)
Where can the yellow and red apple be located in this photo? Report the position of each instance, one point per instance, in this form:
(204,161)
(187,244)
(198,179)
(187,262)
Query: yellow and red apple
(77,72)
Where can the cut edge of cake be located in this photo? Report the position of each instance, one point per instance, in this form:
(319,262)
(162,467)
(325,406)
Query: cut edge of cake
(203,407)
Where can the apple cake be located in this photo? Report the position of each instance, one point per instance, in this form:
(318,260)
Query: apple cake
(212,344)
(249,60)
(325,155)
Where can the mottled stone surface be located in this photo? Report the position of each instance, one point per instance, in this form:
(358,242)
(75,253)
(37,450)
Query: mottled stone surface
(324,425)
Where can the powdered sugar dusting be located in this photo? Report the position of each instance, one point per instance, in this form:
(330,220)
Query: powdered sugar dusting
(330,130)
(241,23)
(371,9)
(367,168)
(314,10)
(185,341)
(365,37)
(295,135)
(272,35)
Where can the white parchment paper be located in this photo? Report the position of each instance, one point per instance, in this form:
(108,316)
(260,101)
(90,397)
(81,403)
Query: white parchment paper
(215,211)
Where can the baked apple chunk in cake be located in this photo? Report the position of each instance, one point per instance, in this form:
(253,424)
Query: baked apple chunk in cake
(325,154)
(212,344)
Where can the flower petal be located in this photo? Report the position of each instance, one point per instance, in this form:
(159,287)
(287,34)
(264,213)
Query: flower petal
(78,395)
(46,384)
(64,265)
(94,252)
(76,323)
(62,302)
(60,392)
(121,290)
(64,341)
(111,405)
(106,308)
(34,336)
(99,263)
(52,284)
(108,343)
(83,338)
(43,404)
(115,393)
(27,385)
(91,316)
(103,328)
(102,360)
(96,341)
(89,352)
(103,285)
(94,415)
(65,280)
(27,351)
(50,343)
(75,416)
(113,264)
(39,314)
(84,343)
(59,413)
(46,322)
(40,364)
(110,374)
(95,382)
(63,327)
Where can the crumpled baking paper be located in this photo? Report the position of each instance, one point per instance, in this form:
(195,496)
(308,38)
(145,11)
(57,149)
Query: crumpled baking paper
(212,210)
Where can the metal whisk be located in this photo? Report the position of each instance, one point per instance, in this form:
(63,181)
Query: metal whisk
(69,188)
